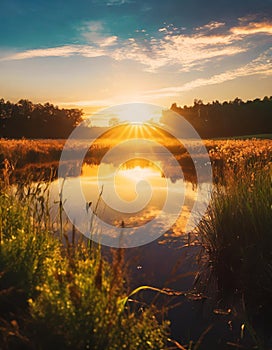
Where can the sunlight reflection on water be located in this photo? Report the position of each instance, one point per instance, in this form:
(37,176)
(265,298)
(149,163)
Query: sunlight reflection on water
(142,186)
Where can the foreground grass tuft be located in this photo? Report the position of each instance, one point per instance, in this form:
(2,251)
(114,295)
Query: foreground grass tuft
(236,234)
(59,298)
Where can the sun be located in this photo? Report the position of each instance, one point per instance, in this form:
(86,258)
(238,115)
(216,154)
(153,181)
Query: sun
(138,113)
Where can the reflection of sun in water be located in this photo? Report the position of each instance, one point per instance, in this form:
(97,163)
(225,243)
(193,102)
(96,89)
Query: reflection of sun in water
(138,173)
(132,172)
(139,169)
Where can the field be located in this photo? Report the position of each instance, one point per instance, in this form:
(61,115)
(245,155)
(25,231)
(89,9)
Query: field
(54,282)
(22,153)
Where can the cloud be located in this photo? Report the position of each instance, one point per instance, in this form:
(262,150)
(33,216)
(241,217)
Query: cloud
(109,41)
(113,2)
(262,65)
(60,51)
(190,51)
(193,51)
(94,33)
(211,26)
(185,51)
(171,46)
(253,28)
(118,2)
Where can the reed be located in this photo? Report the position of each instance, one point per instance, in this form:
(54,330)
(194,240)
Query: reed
(55,297)
(236,233)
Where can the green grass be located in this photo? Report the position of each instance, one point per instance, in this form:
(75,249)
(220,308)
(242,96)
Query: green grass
(236,234)
(53,297)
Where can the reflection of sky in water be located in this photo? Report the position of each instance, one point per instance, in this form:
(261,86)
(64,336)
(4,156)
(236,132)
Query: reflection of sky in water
(160,265)
(143,187)
(140,186)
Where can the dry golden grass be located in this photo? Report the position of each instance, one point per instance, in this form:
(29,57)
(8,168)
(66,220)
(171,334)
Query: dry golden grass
(238,150)
(23,152)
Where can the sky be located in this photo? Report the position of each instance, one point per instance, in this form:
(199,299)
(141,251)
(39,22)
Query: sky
(91,54)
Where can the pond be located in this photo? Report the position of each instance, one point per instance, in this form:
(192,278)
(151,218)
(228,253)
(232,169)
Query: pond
(127,191)
(168,261)
(171,260)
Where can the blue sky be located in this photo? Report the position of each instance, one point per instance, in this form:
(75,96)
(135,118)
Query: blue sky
(92,53)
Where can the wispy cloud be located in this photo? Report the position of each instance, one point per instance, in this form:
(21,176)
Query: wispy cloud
(262,65)
(112,2)
(171,46)
(211,26)
(253,28)
(94,33)
(118,2)
(60,51)
(190,51)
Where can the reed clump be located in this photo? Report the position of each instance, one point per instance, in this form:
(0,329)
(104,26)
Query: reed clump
(236,233)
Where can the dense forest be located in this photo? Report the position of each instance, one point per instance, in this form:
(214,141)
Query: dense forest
(25,119)
(233,118)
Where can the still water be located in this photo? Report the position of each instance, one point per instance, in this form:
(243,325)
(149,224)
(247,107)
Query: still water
(169,261)
(132,197)
(172,259)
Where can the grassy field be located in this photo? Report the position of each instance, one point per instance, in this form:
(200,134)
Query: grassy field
(22,153)
(70,297)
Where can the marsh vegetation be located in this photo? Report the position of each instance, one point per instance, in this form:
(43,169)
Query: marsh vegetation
(69,293)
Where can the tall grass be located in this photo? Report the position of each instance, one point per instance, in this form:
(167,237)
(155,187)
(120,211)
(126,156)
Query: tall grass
(22,152)
(236,234)
(53,297)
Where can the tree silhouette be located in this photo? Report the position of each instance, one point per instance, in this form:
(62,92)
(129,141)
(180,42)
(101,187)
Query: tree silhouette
(215,119)
(233,118)
(25,119)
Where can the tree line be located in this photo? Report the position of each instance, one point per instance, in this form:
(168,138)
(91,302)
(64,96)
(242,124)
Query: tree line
(29,120)
(215,119)
(232,118)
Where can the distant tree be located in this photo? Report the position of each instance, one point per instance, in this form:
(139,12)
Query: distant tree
(26,107)
(231,118)
(114,121)
(25,119)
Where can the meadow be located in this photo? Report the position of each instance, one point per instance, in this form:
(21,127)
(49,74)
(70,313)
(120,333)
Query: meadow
(23,153)
(56,295)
